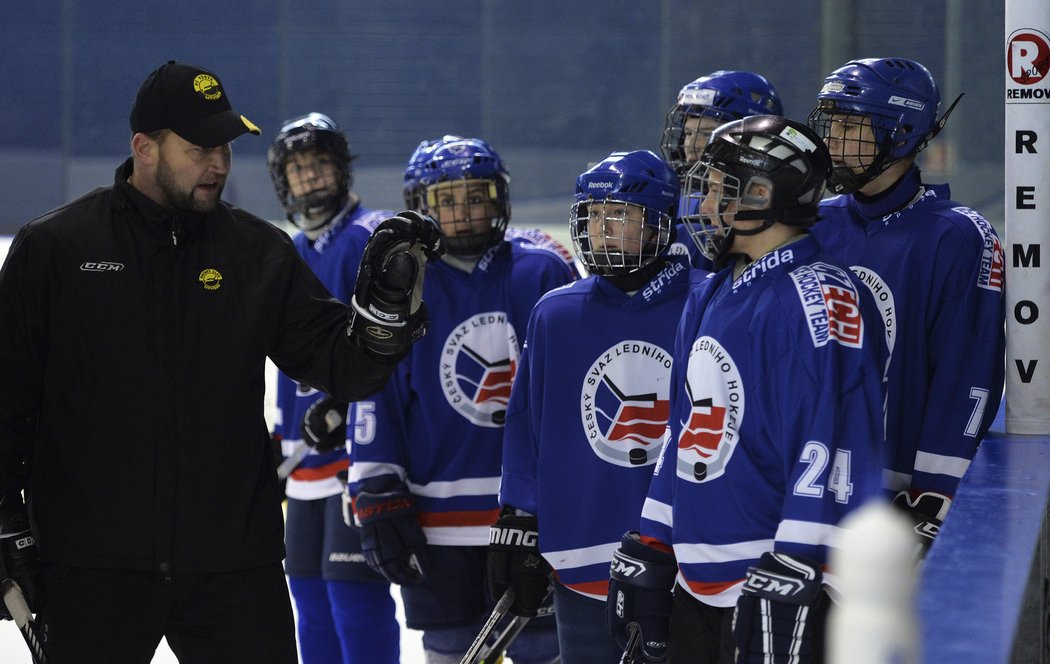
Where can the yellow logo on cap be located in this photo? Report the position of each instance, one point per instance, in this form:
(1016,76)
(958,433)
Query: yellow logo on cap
(207,86)
(211,279)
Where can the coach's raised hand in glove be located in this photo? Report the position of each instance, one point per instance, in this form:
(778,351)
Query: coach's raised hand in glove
(391,538)
(324,424)
(19,559)
(387,312)
(514,561)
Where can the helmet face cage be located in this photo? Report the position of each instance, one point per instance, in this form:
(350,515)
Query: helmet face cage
(706,103)
(713,236)
(623,217)
(859,157)
(312,132)
(615,238)
(686,132)
(761,168)
(464,185)
(898,99)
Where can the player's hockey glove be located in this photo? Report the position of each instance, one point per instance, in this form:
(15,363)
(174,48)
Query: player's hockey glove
(514,561)
(19,559)
(387,313)
(781,611)
(324,424)
(391,537)
(927,512)
(641,581)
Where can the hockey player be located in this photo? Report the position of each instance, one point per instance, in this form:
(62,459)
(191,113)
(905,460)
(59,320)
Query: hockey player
(345,610)
(426,460)
(702,106)
(707,103)
(775,422)
(590,401)
(935,266)
(529,237)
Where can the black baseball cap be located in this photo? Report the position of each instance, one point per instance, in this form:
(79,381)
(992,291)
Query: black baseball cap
(190,101)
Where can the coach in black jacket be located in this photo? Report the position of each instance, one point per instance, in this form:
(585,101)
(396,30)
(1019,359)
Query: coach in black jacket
(135,323)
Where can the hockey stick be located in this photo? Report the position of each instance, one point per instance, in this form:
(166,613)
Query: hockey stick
(16,605)
(479,652)
(302,448)
(500,610)
(503,639)
(634,642)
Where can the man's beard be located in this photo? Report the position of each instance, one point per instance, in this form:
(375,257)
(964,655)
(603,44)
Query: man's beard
(182,201)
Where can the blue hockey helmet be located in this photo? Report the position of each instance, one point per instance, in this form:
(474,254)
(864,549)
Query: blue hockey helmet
(623,217)
(447,179)
(313,131)
(895,98)
(722,96)
(412,172)
(764,167)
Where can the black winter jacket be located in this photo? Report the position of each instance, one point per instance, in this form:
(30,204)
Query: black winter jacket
(132,348)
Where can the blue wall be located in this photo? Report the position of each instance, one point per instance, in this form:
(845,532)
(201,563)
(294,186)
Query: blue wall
(552,85)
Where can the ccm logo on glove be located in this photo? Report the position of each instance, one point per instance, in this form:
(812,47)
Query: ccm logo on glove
(759,580)
(627,567)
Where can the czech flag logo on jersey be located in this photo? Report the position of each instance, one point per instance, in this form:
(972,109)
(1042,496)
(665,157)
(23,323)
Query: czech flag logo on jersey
(478,364)
(625,403)
(710,429)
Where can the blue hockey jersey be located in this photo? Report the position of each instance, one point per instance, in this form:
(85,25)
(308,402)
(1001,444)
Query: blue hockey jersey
(684,245)
(438,425)
(776,420)
(334,257)
(588,416)
(936,269)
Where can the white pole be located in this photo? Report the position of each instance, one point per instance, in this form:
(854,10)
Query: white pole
(1027,167)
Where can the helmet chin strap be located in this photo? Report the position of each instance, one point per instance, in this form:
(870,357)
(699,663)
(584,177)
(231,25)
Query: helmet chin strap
(789,216)
(313,226)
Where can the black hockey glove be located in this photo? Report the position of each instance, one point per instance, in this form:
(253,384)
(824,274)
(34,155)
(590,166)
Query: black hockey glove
(324,424)
(926,512)
(781,612)
(391,537)
(641,581)
(514,561)
(387,313)
(19,558)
